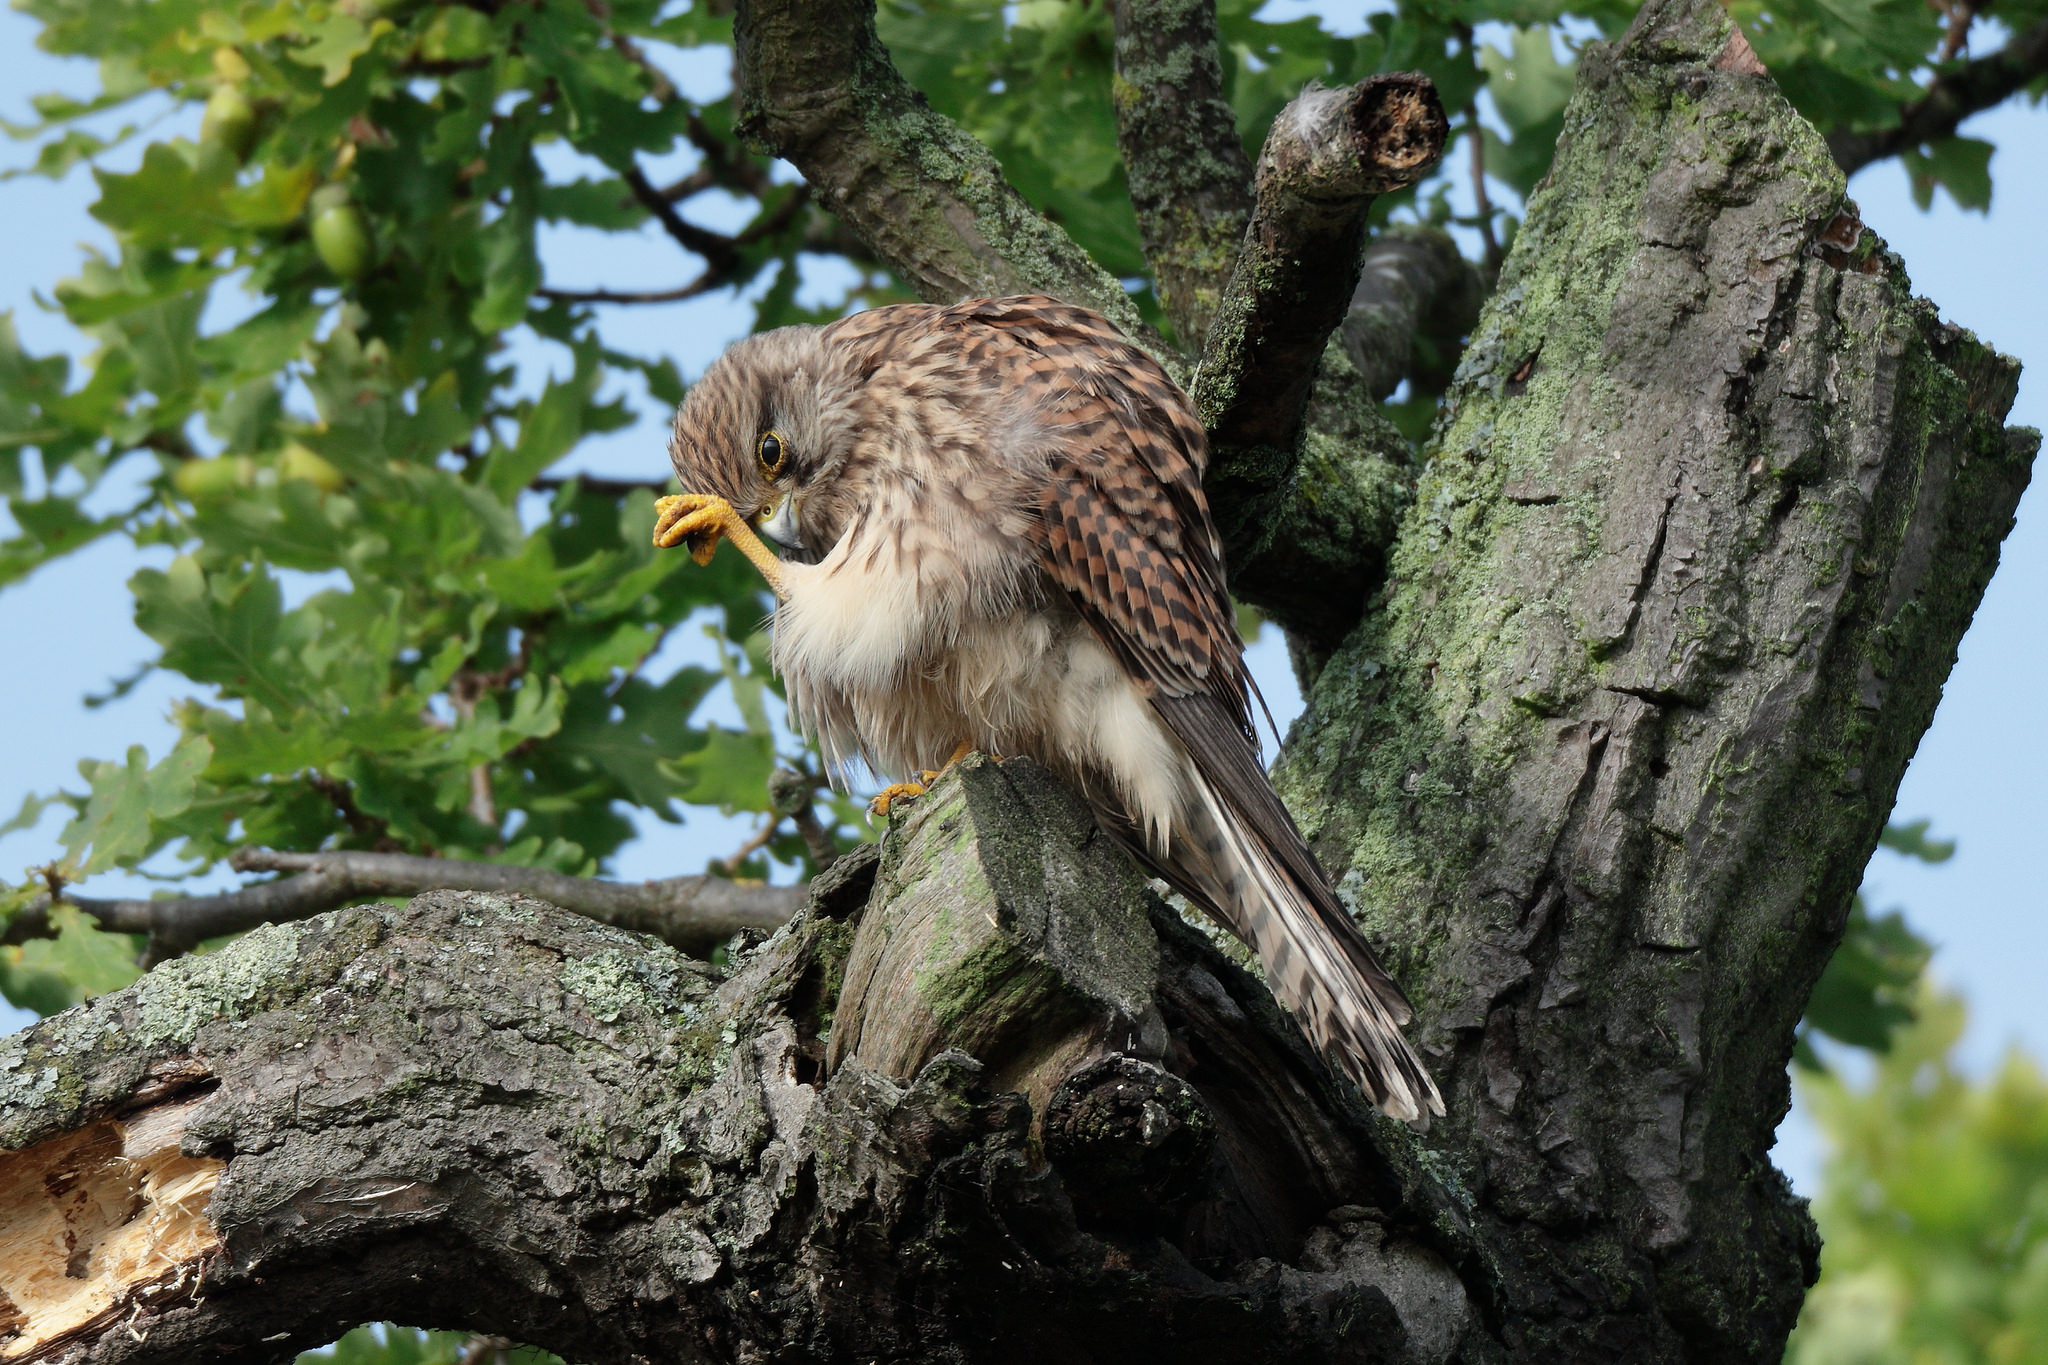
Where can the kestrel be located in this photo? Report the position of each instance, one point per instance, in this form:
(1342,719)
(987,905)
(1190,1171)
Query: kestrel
(994,538)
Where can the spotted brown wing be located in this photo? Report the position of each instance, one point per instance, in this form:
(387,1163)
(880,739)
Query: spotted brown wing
(1127,532)
(1125,528)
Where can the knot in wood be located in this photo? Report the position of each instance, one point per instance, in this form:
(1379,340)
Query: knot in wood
(1132,1142)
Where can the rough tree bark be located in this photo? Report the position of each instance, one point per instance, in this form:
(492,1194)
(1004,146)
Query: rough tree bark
(1598,765)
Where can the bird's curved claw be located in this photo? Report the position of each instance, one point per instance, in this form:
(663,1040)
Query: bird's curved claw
(694,519)
(890,795)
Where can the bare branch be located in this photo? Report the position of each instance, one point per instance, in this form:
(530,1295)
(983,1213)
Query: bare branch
(693,913)
(703,284)
(1951,97)
(1328,156)
(730,269)
(731,864)
(1190,180)
(599,485)
(719,251)
(1415,292)
(817,86)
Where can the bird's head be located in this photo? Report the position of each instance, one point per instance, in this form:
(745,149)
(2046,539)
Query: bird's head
(767,428)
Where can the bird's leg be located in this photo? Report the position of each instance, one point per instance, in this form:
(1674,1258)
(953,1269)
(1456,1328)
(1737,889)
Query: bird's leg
(699,519)
(931,775)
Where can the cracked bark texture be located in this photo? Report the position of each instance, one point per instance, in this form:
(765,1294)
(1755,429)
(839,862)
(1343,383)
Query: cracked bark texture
(1711,504)
(632,1158)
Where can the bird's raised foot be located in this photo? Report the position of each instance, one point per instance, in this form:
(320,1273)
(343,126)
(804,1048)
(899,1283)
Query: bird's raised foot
(700,521)
(697,520)
(891,794)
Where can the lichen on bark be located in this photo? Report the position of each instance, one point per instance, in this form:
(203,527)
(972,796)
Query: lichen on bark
(633,1156)
(1711,504)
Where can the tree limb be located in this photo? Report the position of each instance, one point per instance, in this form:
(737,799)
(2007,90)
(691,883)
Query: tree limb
(1416,300)
(1190,180)
(628,1155)
(693,913)
(1328,156)
(816,86)
(1709,506)
(1952,96)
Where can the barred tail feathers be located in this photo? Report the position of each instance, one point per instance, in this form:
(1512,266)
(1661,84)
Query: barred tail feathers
(1350,1008)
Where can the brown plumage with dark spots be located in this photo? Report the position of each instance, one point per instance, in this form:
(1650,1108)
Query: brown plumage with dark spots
(994,536)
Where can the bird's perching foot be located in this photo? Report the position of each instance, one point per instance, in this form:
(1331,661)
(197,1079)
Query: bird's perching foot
(905,791)
(698,520)
(878,809)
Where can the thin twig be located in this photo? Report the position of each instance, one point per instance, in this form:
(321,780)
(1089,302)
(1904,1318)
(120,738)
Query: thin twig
(1952,96)
(717,276)
(756,841)
(719,251)
(1961,14)
(703,284)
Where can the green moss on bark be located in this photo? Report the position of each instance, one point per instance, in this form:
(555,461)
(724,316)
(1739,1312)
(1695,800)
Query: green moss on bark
(1710,507)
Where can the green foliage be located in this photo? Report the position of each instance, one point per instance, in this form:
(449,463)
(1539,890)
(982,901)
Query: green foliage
(399,636)
(402,633)
(1933,1209)
(1866,994)
(389,1344)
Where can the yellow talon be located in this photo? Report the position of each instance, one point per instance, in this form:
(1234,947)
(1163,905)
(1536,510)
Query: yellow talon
(889,795)
(699,520)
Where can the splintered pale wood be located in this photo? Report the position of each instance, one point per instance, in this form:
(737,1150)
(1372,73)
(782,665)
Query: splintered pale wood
(97,1224)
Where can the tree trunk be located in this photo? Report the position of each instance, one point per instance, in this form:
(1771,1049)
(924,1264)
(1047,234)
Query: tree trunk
(1711,504)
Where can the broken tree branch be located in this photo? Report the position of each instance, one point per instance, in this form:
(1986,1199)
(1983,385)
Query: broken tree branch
(693,913)
(1190,180)
(1328,156)
(630,1155)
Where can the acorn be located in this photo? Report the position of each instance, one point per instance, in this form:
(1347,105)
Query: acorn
(297,462)
(229,122)
(214,478)
(230,65)
(341,234)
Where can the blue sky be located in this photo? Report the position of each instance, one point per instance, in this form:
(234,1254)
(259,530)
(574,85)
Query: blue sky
(1977,775)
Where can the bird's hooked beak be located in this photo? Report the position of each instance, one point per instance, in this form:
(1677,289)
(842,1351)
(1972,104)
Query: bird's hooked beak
(777,521)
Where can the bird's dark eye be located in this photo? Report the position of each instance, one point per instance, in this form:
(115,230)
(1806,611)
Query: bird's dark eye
(773,453)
